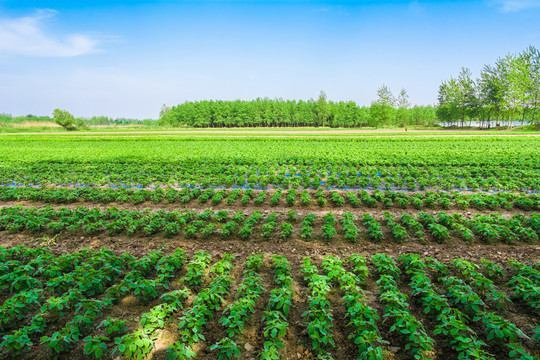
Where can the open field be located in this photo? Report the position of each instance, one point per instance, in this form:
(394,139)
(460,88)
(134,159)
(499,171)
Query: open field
(297,247)
(434,163)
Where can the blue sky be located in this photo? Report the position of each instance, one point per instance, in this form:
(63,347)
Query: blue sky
(127,58)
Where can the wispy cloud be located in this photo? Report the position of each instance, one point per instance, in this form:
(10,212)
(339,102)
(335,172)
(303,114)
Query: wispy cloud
(334,10)
(507,6)
(27,36)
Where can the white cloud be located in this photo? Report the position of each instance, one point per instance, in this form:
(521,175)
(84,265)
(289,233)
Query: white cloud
(507,6)
(27,36)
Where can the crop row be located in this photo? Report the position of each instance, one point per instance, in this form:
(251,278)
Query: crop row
(276,317)
(197,174)
(188,297)
(97,282)
(469,309)
(526,285)
(412,332)
(240,311)
(228,225)
(291,198)
(318,317)
(362,317)
(203,308)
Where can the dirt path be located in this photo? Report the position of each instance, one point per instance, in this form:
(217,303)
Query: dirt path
(294,249)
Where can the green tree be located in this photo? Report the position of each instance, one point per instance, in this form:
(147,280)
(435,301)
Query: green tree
(382,110)
(64,119)
(524,81)
(445,110)
(532,56)
(164,114)
(403,105)
(466,95)
(457,98)
(489,89)
(322,109)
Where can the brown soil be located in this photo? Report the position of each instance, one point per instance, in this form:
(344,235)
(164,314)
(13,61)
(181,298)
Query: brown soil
(140,244)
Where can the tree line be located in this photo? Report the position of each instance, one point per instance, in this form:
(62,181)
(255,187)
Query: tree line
(70,122)
(387,110)
(505,92)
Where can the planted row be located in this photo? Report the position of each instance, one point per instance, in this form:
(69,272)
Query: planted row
(292,198)
(239,312)
(275,317)
(227,225)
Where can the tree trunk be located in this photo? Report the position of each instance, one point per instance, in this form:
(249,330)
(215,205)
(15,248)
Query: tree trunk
(534,109)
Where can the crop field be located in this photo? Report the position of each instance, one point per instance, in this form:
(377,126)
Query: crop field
(261,247)
(436,163)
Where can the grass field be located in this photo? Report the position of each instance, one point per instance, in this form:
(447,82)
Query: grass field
(284,246)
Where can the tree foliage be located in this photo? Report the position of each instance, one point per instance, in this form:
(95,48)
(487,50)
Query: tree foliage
(288,113)
(382,110)
(64,118)
(505,92)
